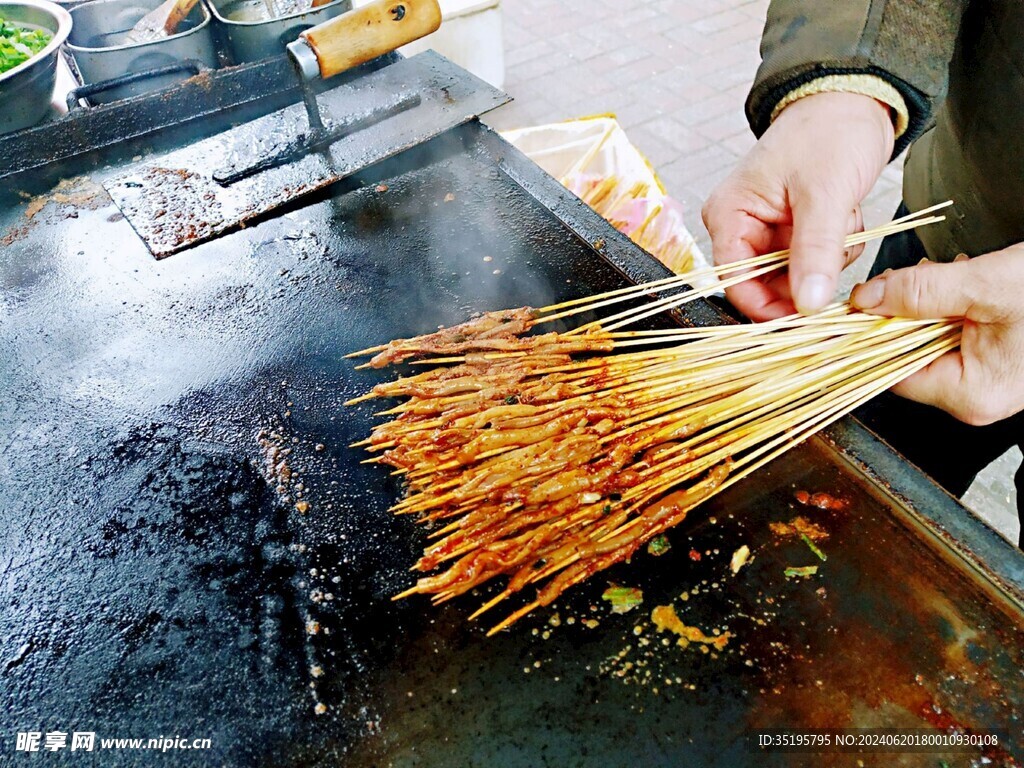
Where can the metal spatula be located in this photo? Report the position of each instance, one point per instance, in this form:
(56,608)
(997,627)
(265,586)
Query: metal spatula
(160,23)
(218,184)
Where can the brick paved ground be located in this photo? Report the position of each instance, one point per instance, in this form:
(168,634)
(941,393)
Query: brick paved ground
(676,73)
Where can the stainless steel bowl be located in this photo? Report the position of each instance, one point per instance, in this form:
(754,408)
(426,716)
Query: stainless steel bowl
(27,90)
(250,37)
(97,43)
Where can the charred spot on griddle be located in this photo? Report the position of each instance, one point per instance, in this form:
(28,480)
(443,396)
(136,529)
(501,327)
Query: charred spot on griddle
(821,501)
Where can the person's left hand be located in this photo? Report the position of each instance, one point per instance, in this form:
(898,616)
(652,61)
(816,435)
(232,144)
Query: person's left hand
(983,381)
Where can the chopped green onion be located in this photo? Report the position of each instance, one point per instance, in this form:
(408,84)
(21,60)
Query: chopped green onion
(658,546)
(807,570)
(18,44)
(623,599)
(813,547)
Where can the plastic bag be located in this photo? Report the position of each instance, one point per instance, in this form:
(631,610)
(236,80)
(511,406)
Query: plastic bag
(594,159)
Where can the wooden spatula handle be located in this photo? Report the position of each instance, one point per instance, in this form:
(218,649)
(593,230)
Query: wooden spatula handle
(181,9)
(371,31)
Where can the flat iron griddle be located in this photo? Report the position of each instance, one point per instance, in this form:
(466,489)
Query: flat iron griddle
(155,582)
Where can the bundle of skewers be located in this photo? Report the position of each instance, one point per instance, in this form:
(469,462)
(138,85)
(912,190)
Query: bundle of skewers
(546,458)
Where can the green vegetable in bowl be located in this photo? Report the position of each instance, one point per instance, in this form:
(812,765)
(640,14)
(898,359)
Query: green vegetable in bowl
(18,44)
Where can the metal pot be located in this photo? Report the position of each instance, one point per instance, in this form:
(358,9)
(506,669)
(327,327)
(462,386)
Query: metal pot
(27,90)
(97,45)
(250,38)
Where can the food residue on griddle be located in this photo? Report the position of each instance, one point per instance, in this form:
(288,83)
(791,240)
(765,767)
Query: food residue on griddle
(821,501)
(79,192)
(739,558)
(13,235)
(279,470)
(35,205)
(665,618)
(650,659)
(276,468)
(799,526)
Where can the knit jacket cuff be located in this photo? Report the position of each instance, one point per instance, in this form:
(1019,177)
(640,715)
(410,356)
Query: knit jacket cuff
(863,84)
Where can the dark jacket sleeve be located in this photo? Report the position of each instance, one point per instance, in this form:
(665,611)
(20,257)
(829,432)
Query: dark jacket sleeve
(908,43)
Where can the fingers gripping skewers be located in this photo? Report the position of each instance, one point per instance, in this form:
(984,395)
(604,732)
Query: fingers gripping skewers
(544,459)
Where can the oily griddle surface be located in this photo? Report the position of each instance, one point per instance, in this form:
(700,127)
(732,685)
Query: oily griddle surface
(157,582)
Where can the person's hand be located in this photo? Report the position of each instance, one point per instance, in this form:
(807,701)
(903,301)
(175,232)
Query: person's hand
(983,381)
(800,187)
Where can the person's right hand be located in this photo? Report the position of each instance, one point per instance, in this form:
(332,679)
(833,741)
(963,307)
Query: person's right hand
(800,187)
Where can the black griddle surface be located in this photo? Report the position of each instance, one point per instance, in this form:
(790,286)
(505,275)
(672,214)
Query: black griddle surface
(155,582)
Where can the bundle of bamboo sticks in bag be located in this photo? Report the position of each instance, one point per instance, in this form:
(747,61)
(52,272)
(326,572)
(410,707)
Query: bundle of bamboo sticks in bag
(651,220)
